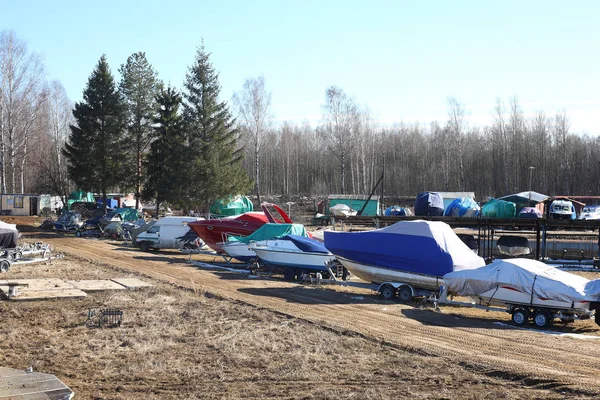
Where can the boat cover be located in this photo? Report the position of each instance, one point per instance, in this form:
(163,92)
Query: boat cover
(499,209)
(424,247)
(232,205)
(429,204)
(271,231)
(463,207)
(530,276)
(530,212)
(307,244)
(342,210)
(8,235)
(397,211)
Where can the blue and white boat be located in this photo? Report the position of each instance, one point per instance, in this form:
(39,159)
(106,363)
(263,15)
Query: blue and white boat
(418,253)
(294,253)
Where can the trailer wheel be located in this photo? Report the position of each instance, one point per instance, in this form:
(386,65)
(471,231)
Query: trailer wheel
(405,294)
(387,292)
(144,246)
(520,316)
(289,274)
(4,265)
(542,318)
(78,233)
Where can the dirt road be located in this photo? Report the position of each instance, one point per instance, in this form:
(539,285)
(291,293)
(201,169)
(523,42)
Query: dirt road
(561,363)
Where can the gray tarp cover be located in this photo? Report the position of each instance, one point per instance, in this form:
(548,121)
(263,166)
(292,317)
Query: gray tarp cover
(8,235)
(525,275)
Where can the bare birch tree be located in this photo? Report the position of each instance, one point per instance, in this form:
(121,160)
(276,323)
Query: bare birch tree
(340,121)
(22,78)
(253,105)
(456,124)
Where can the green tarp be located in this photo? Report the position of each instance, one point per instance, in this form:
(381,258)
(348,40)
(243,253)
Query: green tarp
(80,196)
(127,214)
(271,231)
(232,206)
(499,209)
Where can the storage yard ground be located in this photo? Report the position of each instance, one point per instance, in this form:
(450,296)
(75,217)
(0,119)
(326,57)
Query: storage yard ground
(202,333)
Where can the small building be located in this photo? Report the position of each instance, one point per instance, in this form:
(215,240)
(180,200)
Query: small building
(355,202)
(19,204)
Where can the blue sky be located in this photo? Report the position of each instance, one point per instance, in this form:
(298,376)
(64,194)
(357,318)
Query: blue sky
(401,59)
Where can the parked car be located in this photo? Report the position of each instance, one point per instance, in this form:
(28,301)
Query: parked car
(169,233)
(590,213)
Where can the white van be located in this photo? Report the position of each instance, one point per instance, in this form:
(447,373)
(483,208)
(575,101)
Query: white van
(169,233)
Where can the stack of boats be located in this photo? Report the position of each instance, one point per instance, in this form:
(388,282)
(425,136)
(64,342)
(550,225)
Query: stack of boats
(278,243)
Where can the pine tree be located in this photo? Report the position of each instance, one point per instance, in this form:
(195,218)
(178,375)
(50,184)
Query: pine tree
(166,161)
(215,169)
(139,85)
(94,150)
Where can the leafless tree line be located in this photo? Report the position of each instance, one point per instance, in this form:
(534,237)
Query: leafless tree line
(34,120)
(345,154)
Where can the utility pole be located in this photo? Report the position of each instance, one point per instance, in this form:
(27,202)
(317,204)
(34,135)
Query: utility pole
(530,174)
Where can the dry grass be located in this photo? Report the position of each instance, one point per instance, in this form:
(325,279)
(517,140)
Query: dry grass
(183,344)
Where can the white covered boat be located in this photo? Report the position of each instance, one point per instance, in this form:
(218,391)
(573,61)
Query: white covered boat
(530,289)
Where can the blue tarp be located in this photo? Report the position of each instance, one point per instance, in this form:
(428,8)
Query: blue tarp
(110,203)
(463,207)
(423,247)
(429,204)
(530,212)
(397,211)
(307,244)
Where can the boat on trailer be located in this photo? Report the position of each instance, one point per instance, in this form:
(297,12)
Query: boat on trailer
(406,259)
(295,255)
(529,289)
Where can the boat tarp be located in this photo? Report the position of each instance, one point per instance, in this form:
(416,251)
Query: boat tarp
(271,231)
(8,235)
(530,212)
(110,203)
(525,198)
(429,204)
(496,208)
(307,244)
(463,207)
(232,206)
(114,228)
(127,214)
(80,196)
(424,247)
(397,211)
(529,276)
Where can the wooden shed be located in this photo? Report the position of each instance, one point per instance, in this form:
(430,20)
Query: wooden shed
(19,204)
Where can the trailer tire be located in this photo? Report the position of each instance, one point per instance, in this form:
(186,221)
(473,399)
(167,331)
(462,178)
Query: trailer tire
(520,316)
(144,246)
(289,274)
(388,292)
(4,265)
(405,294)
(542,318)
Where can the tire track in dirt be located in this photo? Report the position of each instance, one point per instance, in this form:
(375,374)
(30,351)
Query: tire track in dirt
(532,356)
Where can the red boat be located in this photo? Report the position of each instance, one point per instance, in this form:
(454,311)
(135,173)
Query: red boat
(214,231)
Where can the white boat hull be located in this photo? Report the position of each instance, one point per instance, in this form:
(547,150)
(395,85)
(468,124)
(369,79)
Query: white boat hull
(293,259)
(238,250)
(374,274)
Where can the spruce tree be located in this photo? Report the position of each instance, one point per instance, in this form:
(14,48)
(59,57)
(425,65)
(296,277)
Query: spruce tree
(139,85)
(215,169)
(166,158)
(94,150)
